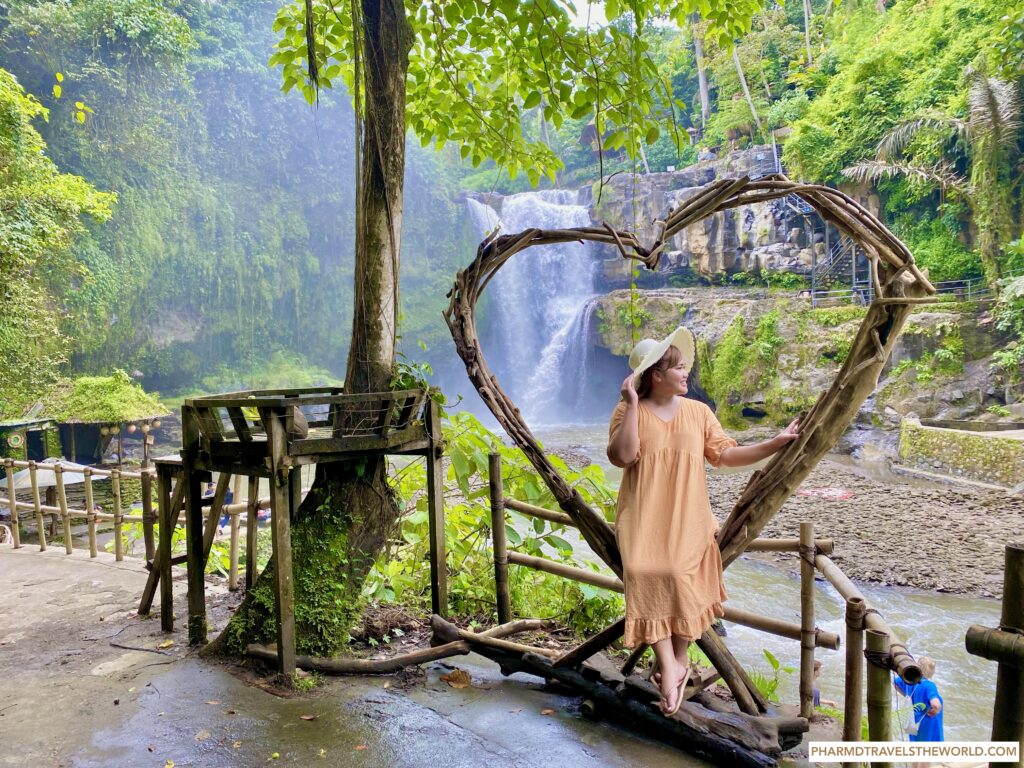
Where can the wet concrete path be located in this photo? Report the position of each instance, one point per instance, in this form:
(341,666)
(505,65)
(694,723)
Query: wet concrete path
(72,697)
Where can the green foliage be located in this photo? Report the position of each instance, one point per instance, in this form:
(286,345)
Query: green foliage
(768,683)
(400,575)
(830,317)
(477,69)
(109,399)
(41,212)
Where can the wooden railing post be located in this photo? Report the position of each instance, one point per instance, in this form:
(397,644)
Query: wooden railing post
(504,599)
(807,643)
(879,690)
(148,515)
(1008,711)
(12,495)
(435,513)
(854,689)
(33,477)
(90,511)
(62,501)
(251,524)
(115,486)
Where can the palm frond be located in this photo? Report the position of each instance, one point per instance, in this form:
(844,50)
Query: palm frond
(941,175)
(994,106)
(895,141)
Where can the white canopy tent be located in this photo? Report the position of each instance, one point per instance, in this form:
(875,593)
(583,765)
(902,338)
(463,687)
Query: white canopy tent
(46,478)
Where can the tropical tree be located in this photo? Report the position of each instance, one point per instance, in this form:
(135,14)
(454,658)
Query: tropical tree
(461,71)
(986,141)
(41,216)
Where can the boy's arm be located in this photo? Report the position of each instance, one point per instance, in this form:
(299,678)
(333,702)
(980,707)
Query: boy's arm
(935,708)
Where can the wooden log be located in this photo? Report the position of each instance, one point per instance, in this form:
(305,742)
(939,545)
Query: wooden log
(499,544)
(1008,710)
(853,695)
(251,530)
(903,663)
(115,485)
(449,633)
(90,507)
(806,619)
(156,568)
(879,691)
(544,514)
(148,515)
(732,674)
(343,666)
(634,658)
(12,496)
(569,572)
(41,531)
(723,739)
(196,561)
(598,642)
(435,513)
(162,574)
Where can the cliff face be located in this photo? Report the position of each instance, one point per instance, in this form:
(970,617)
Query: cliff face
(757,238)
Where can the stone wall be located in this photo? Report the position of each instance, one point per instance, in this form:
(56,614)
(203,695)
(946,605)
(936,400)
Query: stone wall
(983,456)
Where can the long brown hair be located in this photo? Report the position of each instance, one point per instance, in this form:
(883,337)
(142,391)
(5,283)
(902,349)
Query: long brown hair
(671,357)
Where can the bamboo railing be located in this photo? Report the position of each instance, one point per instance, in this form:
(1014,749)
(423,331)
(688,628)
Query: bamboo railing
(66,513)
(863,622)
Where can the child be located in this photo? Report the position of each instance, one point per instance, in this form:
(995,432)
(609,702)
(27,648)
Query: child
(818,701)
(927,702)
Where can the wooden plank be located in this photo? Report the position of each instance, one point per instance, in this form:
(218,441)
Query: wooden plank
(168,519)
(210,424)
(499,544)
(238,421)
(12,496)
(435,516)
(598,642)
(410,409)
(196,561)
(251,531)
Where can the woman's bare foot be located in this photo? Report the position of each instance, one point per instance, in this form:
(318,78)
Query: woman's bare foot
(672,686)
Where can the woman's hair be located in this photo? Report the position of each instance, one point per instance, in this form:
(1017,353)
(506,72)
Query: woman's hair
(671,357)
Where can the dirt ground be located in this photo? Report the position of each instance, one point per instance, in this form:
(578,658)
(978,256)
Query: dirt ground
(897,532)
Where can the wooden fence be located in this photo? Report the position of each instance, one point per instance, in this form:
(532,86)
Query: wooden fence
(867,633)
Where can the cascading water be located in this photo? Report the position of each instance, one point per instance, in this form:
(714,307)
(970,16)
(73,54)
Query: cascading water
(540,304)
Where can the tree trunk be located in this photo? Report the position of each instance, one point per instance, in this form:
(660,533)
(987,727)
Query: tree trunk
(746,92)
(807,30)
(350,512)
(702,73)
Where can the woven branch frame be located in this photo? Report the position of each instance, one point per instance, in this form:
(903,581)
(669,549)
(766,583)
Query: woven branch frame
(897,281)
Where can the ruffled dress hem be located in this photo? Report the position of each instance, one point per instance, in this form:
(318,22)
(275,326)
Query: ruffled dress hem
(650,631)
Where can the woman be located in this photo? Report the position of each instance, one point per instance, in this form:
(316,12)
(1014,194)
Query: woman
(672,567)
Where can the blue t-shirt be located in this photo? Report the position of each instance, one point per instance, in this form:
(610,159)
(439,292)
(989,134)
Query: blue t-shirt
(928,728)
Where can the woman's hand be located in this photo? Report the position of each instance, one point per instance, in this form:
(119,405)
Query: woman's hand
(628,391)
(789,434)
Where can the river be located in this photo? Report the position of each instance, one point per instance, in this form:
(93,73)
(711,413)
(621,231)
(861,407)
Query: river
(929,623)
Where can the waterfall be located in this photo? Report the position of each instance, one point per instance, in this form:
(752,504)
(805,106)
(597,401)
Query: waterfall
(537,305)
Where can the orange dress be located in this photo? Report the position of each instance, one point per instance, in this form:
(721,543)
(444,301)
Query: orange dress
(672,567)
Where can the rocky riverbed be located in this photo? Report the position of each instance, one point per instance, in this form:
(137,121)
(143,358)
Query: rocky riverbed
(898,531)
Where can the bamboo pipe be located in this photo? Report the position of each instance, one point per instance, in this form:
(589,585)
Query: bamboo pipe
(233,552)
(62,501)
(879,693)
(251,523)
(12,495)
(822,546)
(773,626)
(97,471)
(806,619)
(36,505)
(90,510)
(854,684)
(500,545)
(115,485)
(903,663)
(1008,710)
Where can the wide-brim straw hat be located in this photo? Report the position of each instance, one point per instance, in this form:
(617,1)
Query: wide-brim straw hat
(649,351)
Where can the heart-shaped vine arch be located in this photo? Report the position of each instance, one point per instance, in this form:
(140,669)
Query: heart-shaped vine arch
(898,285)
